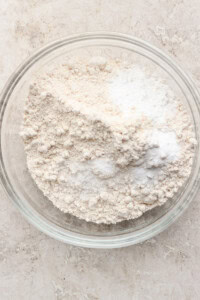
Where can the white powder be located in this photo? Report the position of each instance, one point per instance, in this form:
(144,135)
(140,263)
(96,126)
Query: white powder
(132,91)
(106,142)
(168,147)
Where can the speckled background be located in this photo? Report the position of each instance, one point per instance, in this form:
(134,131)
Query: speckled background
(34,266)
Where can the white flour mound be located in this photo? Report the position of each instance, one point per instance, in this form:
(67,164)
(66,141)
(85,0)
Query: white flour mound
(106,142)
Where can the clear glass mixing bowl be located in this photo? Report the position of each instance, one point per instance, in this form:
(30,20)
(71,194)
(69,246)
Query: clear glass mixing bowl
(15,177)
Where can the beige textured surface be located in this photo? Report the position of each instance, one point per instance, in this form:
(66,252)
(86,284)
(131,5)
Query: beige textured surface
(34,266)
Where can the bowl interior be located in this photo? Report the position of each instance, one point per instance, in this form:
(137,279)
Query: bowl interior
(22,186)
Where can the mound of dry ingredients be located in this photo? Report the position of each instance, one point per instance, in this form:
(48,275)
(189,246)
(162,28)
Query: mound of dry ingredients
(105,141)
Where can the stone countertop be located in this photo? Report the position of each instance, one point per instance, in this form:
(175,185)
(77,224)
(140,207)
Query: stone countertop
(32,265)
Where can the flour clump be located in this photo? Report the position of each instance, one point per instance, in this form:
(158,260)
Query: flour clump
(104,141)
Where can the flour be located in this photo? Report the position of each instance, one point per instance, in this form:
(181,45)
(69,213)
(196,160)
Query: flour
(106,142)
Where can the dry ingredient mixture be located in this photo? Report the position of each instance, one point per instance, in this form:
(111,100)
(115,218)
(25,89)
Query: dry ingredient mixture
(106,141)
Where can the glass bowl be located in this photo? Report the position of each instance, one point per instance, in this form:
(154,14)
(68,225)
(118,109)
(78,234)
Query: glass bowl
(16,179)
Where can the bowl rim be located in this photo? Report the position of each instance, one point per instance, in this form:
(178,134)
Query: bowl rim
(53,230)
